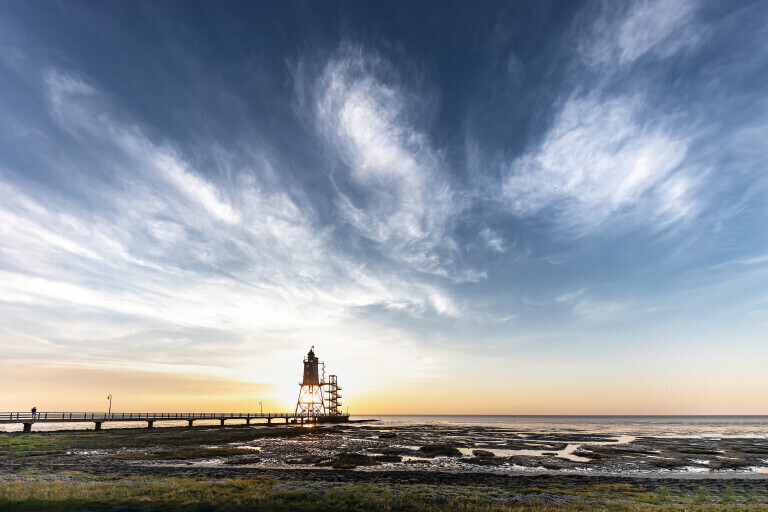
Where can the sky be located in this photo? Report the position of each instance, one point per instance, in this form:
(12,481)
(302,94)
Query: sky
(467,208)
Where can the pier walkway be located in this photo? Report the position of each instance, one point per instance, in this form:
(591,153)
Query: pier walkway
(97,418)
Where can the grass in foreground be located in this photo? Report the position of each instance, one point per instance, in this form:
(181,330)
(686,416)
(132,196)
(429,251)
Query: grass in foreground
(83,492)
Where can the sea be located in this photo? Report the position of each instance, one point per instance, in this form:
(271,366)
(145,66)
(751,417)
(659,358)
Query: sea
(652,426)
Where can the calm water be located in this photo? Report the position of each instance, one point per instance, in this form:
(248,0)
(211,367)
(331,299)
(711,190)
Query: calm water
(656,426)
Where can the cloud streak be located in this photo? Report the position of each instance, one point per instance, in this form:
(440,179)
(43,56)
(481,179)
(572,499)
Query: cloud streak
(622,35)
(597,160)
(609,153)
(396,193)
(179,253)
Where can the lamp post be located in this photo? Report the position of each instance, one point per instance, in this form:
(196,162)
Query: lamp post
(261,411)
(110,404)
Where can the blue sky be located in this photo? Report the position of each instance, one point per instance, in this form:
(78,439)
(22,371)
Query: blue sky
(564,200)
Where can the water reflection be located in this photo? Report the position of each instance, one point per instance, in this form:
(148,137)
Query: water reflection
(714,427)
(567,453)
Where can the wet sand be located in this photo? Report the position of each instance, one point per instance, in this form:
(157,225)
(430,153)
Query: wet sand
(378,467)
(424,453)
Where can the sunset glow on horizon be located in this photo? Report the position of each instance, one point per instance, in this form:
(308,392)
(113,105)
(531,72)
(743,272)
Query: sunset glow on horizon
(502,208)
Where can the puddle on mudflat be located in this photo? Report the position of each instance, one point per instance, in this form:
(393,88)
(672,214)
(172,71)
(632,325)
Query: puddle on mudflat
(88,452)
(763,470)
(246,447)
(567,453)
(695,469)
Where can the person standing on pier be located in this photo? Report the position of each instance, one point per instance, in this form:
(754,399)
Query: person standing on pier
(34,412)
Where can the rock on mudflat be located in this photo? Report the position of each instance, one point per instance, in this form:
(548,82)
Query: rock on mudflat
(436,450)
(352,460)
(483,453)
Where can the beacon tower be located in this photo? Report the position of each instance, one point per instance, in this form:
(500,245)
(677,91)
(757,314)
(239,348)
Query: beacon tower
(318,399)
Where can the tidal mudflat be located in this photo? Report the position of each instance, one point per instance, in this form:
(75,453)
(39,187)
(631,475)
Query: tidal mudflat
(379,467)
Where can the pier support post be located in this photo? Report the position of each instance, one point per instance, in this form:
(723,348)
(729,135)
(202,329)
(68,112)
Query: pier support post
(247,421)
(286,420)
(190,422)
(150,424)
(27,427)
(98,425)
(269,421)
(222,422)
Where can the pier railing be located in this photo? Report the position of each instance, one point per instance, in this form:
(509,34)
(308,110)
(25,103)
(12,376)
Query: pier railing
(97,418)
(49,416)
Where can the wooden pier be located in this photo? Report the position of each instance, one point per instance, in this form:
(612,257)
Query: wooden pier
(97,418)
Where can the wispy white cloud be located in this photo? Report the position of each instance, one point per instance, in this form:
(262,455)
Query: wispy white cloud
(599,158)
(758,260)
(608,153)
(622,35)
(570,296)
(492,240)
(80,108)
(400,197)
(586,307)
(183,251)
(593,310)
(194,186)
